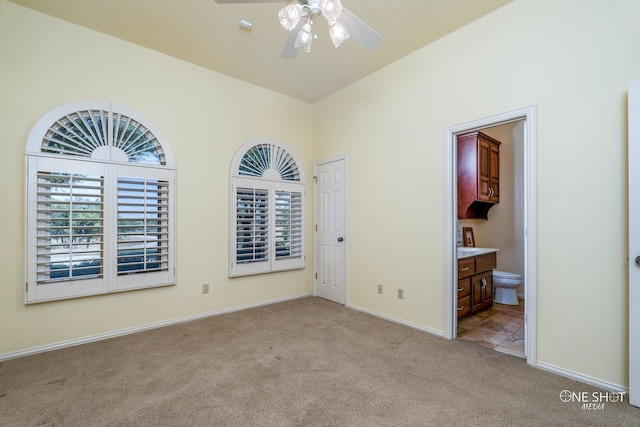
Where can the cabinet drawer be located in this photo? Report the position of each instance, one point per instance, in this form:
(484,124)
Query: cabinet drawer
(466,268)
(464,306)
(464,287)
(485,262)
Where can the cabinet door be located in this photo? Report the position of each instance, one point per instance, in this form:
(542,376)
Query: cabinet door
(487,297)
(477,293)
(481,291)
(488,170)
(484,170)
(494,173)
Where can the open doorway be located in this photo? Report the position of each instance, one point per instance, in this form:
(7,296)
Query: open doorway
(500,325)
(512,229)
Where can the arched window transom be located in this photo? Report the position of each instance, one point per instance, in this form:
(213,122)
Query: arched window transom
(102,135)
(263,159)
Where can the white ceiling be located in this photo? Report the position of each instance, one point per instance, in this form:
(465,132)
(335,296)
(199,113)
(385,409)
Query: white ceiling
(206,33)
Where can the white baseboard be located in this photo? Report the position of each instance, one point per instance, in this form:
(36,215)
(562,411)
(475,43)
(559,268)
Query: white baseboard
(396,320)
(121,332)
(582,378)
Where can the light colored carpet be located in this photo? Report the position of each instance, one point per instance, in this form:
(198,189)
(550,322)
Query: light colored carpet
(298,363)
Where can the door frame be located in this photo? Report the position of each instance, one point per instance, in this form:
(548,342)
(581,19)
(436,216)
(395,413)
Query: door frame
(634,243)
(345,158)
(528,114)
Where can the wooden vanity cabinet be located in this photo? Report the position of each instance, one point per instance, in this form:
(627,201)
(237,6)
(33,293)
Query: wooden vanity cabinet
(475,283)
(478,174)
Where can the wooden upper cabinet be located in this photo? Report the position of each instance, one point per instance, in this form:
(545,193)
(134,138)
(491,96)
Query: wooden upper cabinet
(478,174)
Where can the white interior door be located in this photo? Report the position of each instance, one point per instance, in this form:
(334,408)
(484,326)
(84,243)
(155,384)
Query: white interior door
(330,215)
(634,243)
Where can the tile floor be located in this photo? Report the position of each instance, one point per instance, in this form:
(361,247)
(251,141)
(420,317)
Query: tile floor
(500,327)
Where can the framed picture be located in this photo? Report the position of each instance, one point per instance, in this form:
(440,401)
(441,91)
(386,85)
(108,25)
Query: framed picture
(467,236)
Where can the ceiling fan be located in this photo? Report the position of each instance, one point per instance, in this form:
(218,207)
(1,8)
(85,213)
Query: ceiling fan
(298,16)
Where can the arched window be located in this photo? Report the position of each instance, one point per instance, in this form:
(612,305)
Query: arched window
(267,209)
(100,203)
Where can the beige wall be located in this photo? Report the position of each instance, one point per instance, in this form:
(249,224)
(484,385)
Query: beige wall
(205,116)
(573,60)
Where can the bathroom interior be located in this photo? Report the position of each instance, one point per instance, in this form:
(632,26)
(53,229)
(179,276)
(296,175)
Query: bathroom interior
(499,322)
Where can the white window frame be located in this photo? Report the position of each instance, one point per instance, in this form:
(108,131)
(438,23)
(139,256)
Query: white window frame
(278,221)
(110,154)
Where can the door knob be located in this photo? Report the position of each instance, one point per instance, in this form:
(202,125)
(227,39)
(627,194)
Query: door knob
(340,239)
(638,260)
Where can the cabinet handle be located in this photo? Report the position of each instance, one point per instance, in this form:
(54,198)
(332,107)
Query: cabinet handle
(465,269)
(461,307)
(460,289)
(484,283)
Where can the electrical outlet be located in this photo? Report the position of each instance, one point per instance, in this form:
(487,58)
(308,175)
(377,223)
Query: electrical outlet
(380,289)
(400,293)
(205,288)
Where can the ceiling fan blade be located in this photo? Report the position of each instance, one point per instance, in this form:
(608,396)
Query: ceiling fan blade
(250,1)
(359,31)
(289,50)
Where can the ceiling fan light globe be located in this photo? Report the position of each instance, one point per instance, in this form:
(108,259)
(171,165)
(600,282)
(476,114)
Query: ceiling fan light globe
(331,10)
(338,34)
(303,41)
(290,16)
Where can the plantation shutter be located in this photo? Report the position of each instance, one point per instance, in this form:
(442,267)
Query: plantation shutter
(144,221)
(288,229)
(66,232)
(70,226)
(251,253)
(252,225)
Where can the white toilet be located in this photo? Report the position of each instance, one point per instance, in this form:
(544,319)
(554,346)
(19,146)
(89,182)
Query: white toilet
(505,285)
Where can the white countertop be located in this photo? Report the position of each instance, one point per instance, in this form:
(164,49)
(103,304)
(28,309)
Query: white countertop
(467,252)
